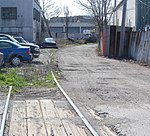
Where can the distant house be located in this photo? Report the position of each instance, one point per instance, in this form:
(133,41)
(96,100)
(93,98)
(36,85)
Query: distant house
(21,18)
(76,26)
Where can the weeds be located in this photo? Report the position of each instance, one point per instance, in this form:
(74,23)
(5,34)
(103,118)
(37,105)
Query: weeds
(19,78)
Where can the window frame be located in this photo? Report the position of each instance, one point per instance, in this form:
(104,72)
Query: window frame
(2,45)
(8,12)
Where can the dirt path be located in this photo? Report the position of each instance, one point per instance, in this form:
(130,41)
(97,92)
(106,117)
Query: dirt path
(40,111)
(109,92)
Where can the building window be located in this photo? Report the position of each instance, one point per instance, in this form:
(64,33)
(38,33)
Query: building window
(9,13)
(36,15)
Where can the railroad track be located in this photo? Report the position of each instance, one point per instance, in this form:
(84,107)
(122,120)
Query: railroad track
(42,105)
(5,112)
(87,124)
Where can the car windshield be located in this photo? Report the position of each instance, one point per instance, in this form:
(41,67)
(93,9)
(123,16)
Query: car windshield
(20,39)
(13,39)
(49,40)
(14,43)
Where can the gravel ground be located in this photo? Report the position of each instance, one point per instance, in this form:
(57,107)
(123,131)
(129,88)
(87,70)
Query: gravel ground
(109,92)
(41,66)
(3,97)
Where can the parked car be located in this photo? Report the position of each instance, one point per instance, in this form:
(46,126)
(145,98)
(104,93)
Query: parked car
(21,40)
(14,53)
(1,59)
(91,39)
(49,42)
(35,49)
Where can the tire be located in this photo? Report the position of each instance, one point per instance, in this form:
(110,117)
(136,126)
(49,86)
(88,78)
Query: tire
(16,61)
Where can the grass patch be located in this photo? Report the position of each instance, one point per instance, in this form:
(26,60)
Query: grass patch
(10,78)
(19,78)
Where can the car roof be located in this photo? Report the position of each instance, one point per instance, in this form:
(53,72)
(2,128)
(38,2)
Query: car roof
(11,37)
(10,42)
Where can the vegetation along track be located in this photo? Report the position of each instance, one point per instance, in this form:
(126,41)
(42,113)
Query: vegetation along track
(31,92)
(42,93)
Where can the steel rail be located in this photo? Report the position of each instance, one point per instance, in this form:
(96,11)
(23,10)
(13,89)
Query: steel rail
(88,125)
(5,112)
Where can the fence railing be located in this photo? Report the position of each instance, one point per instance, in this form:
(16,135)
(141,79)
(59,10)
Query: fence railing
(139,48)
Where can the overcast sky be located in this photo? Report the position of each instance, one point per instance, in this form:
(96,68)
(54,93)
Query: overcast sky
(73,7)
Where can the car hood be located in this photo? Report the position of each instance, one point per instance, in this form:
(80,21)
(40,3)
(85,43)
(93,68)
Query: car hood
(49,40)
(29,44)
(24,47)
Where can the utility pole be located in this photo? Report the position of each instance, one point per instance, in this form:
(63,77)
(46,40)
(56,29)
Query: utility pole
(122,33)
(114,15)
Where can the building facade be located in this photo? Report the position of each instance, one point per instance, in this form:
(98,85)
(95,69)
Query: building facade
(130,14)
(137,15)
(76,26)
(21,18)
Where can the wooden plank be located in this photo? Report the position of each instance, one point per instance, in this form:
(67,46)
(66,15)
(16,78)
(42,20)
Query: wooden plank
(69,126)
(48,109)
(73,129)
(18,119)
(35,121)
(41,118)
(52,121)
(109,132)
(64,113)
(102,132)
(105,131)
(55,129)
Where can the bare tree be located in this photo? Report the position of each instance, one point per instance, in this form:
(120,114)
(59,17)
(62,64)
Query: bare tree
(49,10)
(67,19)
(101,10)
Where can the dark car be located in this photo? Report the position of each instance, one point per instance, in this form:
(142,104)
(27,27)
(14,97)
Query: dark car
(21,40)
(35,49)
(49,42)
(14,53)
(1,59)
(91,39)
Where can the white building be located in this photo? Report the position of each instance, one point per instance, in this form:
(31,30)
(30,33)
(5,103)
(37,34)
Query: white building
(130,14)
(21,18)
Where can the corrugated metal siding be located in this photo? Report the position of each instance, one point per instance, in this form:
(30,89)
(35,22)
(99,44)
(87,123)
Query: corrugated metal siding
(139,48)
(111,41)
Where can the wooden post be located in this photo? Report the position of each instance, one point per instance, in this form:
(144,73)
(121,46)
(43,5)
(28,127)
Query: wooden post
(122,33)
(114,15)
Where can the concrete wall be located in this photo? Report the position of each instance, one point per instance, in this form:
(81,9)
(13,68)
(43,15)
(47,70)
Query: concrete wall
(24,25)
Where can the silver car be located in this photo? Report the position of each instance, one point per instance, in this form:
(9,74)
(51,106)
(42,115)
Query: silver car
(1,59)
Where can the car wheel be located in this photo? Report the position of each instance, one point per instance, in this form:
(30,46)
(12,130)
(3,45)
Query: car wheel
(16,61)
